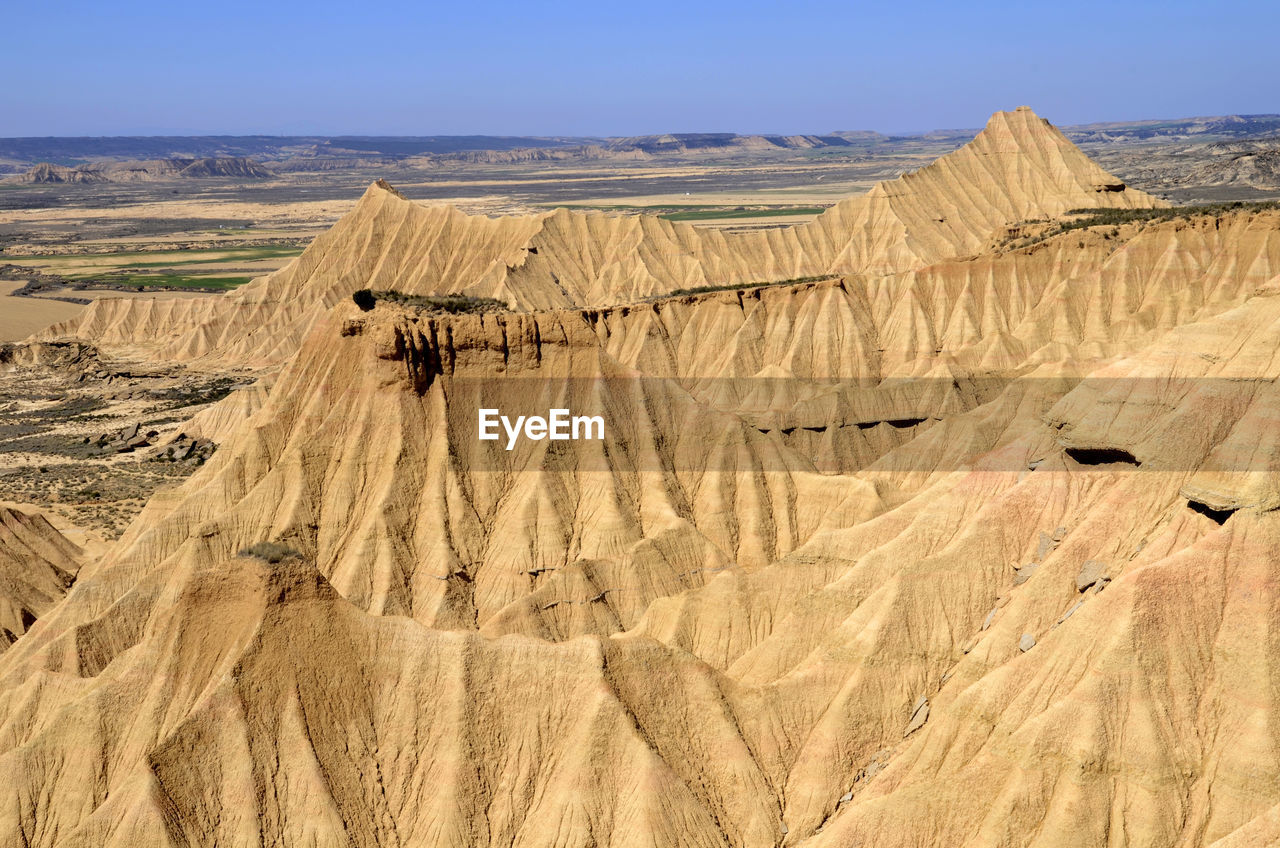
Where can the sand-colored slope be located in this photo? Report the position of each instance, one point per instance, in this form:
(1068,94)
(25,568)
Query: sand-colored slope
(361,458)
(233,735)
(1147,710)
(1131,702)
(1035,607)
(782,624)
(1019,167)
(37,564)
(1086,293)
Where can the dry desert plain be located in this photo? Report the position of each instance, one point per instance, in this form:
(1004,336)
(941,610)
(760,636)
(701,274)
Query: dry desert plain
(936,503)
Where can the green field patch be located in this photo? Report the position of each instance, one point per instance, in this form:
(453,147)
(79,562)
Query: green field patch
(180,281)
(635,210)
(226,254)
(726,212)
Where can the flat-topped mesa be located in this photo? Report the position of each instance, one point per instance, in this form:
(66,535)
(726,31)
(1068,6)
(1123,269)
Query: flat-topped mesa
(1019,167)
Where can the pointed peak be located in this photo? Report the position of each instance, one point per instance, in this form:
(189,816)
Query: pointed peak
(379,186)
(1022,118)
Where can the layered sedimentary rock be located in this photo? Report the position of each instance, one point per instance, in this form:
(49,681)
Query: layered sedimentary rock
(1019,167)
(145,171)
(972,551)
(37,565)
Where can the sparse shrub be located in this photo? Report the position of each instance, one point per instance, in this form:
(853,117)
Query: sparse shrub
(1081,219)
(271,552)
(451,303)
(715,287)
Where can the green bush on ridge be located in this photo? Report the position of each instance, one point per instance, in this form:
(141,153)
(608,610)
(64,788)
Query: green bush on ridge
(451,303)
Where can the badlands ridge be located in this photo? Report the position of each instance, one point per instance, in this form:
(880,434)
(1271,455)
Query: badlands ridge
(952,542)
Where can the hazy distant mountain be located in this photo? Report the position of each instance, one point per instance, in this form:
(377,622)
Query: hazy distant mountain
(325,152)
(155,169)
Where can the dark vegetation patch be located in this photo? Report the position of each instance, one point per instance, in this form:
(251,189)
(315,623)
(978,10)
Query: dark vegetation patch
(140,282)
(712,213)
(50,444)
(1083,219)
(68,409)
(83,456)
(99,495)
(715,287)
(451,303)
(180,397)
(1112,217)
(701,212)
(74,409)
(38,431)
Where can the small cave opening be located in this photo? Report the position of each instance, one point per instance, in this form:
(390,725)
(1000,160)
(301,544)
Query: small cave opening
(1102,456)
(895,423)
(1217,516)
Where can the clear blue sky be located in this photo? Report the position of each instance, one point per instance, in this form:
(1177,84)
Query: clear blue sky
(612,68)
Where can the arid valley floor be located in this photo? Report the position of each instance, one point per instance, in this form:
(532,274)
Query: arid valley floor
(936,502)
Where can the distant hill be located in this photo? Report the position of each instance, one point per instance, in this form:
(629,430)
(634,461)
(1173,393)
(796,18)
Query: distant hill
(1219,128)
(629,148)
(156,169)
(73,151)
(225,167)
(55,159)
(725,142)
(1253,162)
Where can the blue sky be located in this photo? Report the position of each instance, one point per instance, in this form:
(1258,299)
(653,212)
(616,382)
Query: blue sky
(610,68)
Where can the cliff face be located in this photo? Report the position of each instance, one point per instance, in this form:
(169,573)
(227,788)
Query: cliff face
(975,548)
